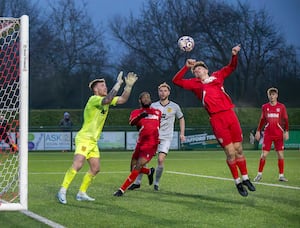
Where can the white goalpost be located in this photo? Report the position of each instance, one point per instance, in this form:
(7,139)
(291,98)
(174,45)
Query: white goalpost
(14,72)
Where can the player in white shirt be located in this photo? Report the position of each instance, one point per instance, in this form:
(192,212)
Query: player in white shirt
(170,110)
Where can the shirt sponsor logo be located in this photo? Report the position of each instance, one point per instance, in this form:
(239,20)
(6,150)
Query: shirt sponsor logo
(273,115)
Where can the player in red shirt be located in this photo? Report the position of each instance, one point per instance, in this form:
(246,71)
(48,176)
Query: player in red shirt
(147,121)
(225,124)
(274,119)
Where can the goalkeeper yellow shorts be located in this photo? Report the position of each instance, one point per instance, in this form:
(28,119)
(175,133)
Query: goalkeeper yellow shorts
(87,148)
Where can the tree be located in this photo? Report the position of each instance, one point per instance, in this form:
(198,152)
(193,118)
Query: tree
(216,26)
(68,52)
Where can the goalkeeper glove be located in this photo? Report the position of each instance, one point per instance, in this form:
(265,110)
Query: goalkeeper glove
(119,81)
(130,80)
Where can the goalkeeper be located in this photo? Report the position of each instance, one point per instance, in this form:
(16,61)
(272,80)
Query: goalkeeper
(95,113)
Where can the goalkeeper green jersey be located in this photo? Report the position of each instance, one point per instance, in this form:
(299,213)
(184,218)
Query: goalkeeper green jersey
(94,117)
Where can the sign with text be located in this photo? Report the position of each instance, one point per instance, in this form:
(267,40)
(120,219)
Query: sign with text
(200,141)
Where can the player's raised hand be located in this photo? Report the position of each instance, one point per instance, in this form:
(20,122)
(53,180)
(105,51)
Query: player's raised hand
(119,82)
(190,63)
(130,79)
(120,78)
(236,49)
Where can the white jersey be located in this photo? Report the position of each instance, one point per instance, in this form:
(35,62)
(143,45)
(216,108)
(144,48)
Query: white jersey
(169,112)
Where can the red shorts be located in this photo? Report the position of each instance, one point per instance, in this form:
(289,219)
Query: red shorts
(226,127)
(267,143)
(146,151)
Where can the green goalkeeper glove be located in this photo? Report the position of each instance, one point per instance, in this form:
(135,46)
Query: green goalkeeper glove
(119,81)
(130,80)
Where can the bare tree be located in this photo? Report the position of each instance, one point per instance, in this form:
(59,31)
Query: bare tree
(69,53)
(216,26)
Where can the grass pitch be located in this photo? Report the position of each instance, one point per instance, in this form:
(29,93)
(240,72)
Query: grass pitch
(196,190)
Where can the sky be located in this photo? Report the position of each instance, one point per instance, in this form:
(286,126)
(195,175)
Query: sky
(285,13)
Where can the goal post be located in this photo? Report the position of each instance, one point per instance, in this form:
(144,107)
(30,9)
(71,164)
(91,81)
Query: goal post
(14,87)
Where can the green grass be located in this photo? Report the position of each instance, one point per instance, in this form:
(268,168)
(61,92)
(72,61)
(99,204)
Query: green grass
(188,197)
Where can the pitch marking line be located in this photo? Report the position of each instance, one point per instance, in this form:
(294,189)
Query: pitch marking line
(42,219)
(229,179)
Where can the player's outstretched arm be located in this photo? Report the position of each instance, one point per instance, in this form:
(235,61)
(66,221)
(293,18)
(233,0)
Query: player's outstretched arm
(130,81)
(113,92)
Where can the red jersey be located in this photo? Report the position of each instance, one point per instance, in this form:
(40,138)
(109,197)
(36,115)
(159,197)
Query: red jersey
(148,126)
(211,92)
(274,118)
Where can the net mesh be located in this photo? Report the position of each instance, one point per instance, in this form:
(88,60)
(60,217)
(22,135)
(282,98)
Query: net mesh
(9,109)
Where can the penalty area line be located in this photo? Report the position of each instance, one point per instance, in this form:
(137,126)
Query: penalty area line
(229,179)
(42,219)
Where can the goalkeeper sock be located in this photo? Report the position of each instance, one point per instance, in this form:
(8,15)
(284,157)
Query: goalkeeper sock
(86,182)
(69,176)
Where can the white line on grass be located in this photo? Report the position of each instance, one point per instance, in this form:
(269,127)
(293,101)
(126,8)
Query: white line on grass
(180,173)
(42,219)
(229,179)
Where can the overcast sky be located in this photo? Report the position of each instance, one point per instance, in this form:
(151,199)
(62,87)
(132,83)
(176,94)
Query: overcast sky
(286,13)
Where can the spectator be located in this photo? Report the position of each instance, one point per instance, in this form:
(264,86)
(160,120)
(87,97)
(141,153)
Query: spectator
(66,123)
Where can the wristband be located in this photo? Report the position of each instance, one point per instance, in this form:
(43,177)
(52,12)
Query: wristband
(116,87)
(128,88)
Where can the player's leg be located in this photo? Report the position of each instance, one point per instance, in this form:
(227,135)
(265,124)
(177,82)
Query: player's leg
(159,169)
(242,165)
(137,183)
(266,147)
(132,176)
(231,162)
(221,128)
(279,147)
(88,178)
(143,154)
(236,137)
(78,162)
(163,149)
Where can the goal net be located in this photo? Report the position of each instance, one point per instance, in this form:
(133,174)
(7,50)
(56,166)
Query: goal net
(14,57)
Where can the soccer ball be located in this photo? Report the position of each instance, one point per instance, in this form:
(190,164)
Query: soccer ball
(186,43)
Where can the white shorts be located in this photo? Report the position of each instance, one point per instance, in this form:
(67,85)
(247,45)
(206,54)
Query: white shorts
(164,146)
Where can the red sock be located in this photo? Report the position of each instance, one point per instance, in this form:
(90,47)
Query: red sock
(241,163)
(281,165)
(130,179)
(233,168)
(262,163)
(145,170)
